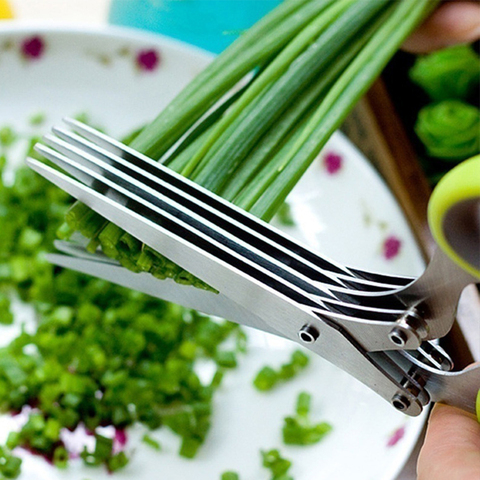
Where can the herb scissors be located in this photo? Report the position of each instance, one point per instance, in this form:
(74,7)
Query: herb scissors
(382,329)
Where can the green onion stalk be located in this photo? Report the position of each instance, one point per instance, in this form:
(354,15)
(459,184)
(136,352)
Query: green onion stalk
(252,122)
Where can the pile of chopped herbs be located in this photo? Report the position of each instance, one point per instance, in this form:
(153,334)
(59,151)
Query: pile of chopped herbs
(99,355)
(252,122)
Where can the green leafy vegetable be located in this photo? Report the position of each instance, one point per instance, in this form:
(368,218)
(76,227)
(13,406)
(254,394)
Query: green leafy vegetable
(299,430)
(277,465)
(284,215)
(229,476)
(100,355)
(151,442)
(449,129)
(451,73)
(267,378)
(9,464)
(309,61)
(6,316)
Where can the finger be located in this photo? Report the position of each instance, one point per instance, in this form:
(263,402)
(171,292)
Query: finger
(451,450)
(450,24)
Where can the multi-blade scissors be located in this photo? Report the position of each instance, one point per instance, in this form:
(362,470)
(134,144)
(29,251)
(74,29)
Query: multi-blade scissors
(382,329)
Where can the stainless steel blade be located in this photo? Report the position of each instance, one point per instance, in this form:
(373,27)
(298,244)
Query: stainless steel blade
(373,335)
(285,314)
(93,168)
(188,296)
(115,152)
(106,170)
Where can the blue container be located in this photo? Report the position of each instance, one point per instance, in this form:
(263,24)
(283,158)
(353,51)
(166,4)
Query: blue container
(209,24)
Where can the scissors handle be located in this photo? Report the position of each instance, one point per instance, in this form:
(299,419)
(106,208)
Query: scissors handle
(454,215)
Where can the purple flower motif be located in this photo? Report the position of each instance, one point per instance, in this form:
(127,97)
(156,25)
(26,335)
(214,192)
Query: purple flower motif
(33,47)
(391,247)
(120,439)
(332,162)
(148,60)
(396,436)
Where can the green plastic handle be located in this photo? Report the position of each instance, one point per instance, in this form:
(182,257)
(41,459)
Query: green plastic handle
(454,219)
(454,215)
(478,406)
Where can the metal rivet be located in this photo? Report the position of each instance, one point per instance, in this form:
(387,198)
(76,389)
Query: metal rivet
(400,402)
(398,337)
(308,334)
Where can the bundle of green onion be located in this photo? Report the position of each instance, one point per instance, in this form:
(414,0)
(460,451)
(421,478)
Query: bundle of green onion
(250,124)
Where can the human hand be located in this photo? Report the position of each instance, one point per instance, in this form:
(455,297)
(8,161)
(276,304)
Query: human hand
(451,450)
(452,23)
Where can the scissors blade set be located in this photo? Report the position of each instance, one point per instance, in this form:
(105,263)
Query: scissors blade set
(358,320)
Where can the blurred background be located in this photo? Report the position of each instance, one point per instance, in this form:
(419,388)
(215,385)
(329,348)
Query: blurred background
(214,24)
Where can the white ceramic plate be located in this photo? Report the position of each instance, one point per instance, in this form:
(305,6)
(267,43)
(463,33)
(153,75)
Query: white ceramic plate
(341,208)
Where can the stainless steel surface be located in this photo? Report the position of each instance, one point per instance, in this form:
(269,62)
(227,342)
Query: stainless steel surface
(114,153)
(373,326)
(453,388)
(436,293)
(188,296)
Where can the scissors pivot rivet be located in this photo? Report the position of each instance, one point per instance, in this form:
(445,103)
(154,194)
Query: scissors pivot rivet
(412,323)
(398,336)
(308,334)
(400,402)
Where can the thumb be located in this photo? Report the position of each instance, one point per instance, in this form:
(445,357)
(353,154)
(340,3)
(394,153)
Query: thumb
(452,446)
(452,23)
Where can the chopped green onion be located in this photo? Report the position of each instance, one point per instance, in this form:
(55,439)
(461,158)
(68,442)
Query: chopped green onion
(6,316)
(101,355)
(37,119)
(117,462)
(230,476)
(9,464)
(189,447)
(7,136)
(226,359)
(299,430)
(303,404)
(151,442)
(267,378)
(284,215)
(277,465)
(60,457)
